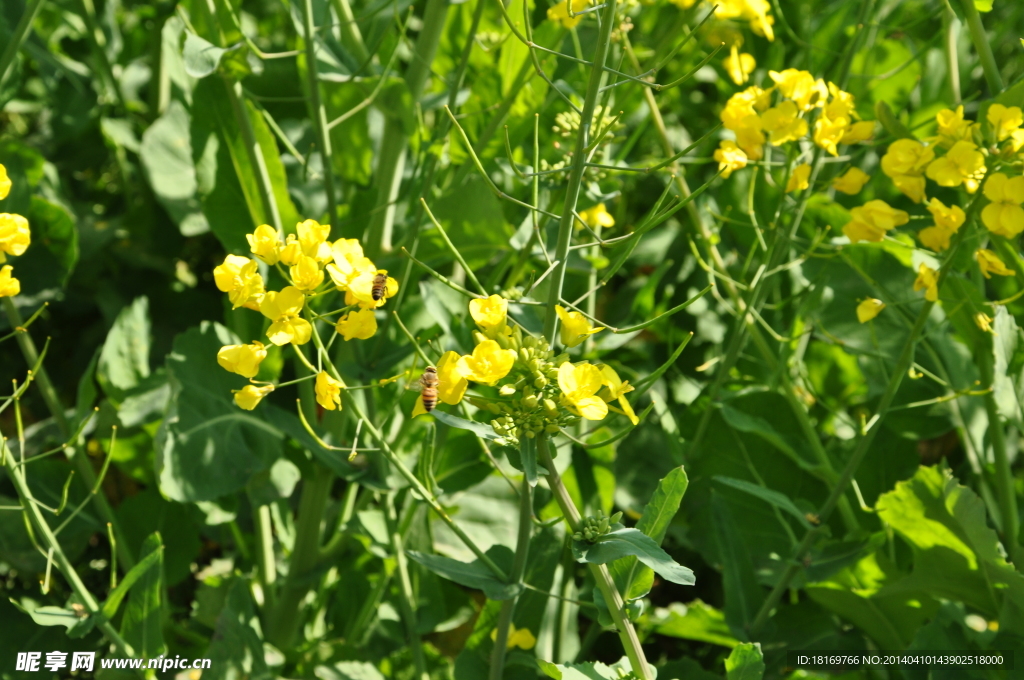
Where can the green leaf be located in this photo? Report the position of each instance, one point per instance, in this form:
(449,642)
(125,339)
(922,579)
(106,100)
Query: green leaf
(754,424)
(142,624)
(113,601)
(481,430)
(591,670)
(85,395)
(745,662)
(47,265)
(474,574)
(148,511)
(775,498)
(743,594)
(51,616)
(201,57)
(349,670)
(124,359)
(206,446)
(166,156)
(623,542)
(236,650)
(693,621)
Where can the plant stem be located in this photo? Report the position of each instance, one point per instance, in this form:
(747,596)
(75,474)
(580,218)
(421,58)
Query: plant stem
(951,27)
(602,577)
(408,600)
(252,147)
(984,49)
(508,607)
(579,163)
(319,112)
(391,163)
(17,38)
(267,566)
(350,31)
(76,454)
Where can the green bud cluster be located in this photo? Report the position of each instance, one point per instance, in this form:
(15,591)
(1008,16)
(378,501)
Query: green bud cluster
(594,527)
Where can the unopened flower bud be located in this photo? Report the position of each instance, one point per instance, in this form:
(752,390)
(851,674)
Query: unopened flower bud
(540,382)
(507,390)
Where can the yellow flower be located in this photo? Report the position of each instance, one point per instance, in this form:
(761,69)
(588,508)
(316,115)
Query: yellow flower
(328,391)
(349,263)
(312,238)
(5,182)
(869,309)
(962,162)
(239,277)
(575,327)
(597,216)
(872,220)
(990,264)
(250,396)
(841,105)
(984,322)
(560,12)
(730,157)
(744,104)
(1004,120)
(935,238)
(829,132)
(617,389)
(739,66)
(291,250)
(928,280)
(952,127)
(451,384)
(284,308)
(750,138)
(948,218)
(783,123)
(489,313)
(265,243)
(361,289)
(488,363)
(517,637)
(14,235)
(306,274)
(242,359)
(905,162)
(1004,215)
(362,324)
(579,385)
(798,179)
(851,182)
(754,11)
(801,87)
(9,286)
(861,131)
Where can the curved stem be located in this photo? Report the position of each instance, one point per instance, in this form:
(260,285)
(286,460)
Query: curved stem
(518,569)
(407,602)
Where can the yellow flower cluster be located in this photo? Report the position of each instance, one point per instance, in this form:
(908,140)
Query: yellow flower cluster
(14,240)
(871,221)
(947,222)
(753,120)
(560,12)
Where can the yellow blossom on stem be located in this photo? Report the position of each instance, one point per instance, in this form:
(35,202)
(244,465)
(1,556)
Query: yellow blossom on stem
(1005,120)
(284,308)
(869,309)
(361,324)
(5,182)
(451,383)
(984,322)
(935,238)
(730,157)
(517,637)
(858,132)
(15,236)
(749,138)
(1004,215)
(798,179)
(265,243)
(575,327)
(306,273)
(361,289)
(242,359)
(743,104)
(489,313)
(9,286)
(952,127)
(990,264)
(783,123)
(872,220)
(239,277)
(948,218)
(328,391)
(290,251)
(927,280)
(739,65)
(312,238)
(961,163)
(250,396)
(617,389)
(560,12)
(580,384)
(905,163)
(349,263)
(488,363)
(801,87)
(851,182)
(597,216)
(829,132)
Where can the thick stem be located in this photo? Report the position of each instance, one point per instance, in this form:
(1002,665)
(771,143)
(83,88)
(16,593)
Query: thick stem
(602,577)
(352,36)
(17,38)
(579,162)
(266,564)
(255,152)
(984,49)
(407,602)
(319,112)
(508,607)
(951,28)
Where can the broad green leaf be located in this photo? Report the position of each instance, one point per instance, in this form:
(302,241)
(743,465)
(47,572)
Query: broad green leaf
(746,422)
(48,263)
(124,359)
(278,482)
(85,395)
(206,446)
(113,601)
(775,498)
(166,155)
(236,651)
(474,574)
(693,621)
(201,57)
(482,430)
(51,616)
(591,670)
(528,457)
(623,542)
(743,594)
(349,670)
(353,156)
(745,662)
(147,511)
(142,623)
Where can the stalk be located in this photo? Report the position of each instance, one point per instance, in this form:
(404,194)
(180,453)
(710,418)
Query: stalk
(951,28)
(392,153)
(267,567)
(77,456)
(981,44)
(319,112)
(252,147)
(518,569)
(408,600)
(17,38)
(350,31)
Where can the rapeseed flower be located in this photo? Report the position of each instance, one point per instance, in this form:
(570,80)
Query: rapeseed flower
(575,327)
(984,322)
(829,132)
(9,286)
(328,391)
(947,222)
(517,637)
(749,138)
(783,123)
(739,106)
(265,243)
(753,11)
(560,12)
(312,238)
(250,396)
(580,384)
(451,384)
(798,179)
(1005,120)
(990,264)
(861,131)
(5,182)
(306,273)
(488,363)
(360,290)
(617,390)
(597,216)
(490,314)
(349,263)
(962,163)
(739,65)
(242,359)
(15,236)
(871,221)
(952,127)
(801,87)
(905,163)
(851,182)
(284,308)
(869,309)
(239,277)
(927,280)
(360,323)
(730,157)
(1004,215)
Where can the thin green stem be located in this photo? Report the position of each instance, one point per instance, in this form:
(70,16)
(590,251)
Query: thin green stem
(319,112)
(981,44)
(352,36)
(17,38)
(407,602)
(951,29)
(455,251)
(255,152)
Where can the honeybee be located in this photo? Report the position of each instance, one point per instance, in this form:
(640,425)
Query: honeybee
(379,289)
(428,388)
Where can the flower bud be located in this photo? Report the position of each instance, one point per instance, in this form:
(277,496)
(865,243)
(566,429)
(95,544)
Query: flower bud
(540,382)
(507,390)
(530,401)
(551,428)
